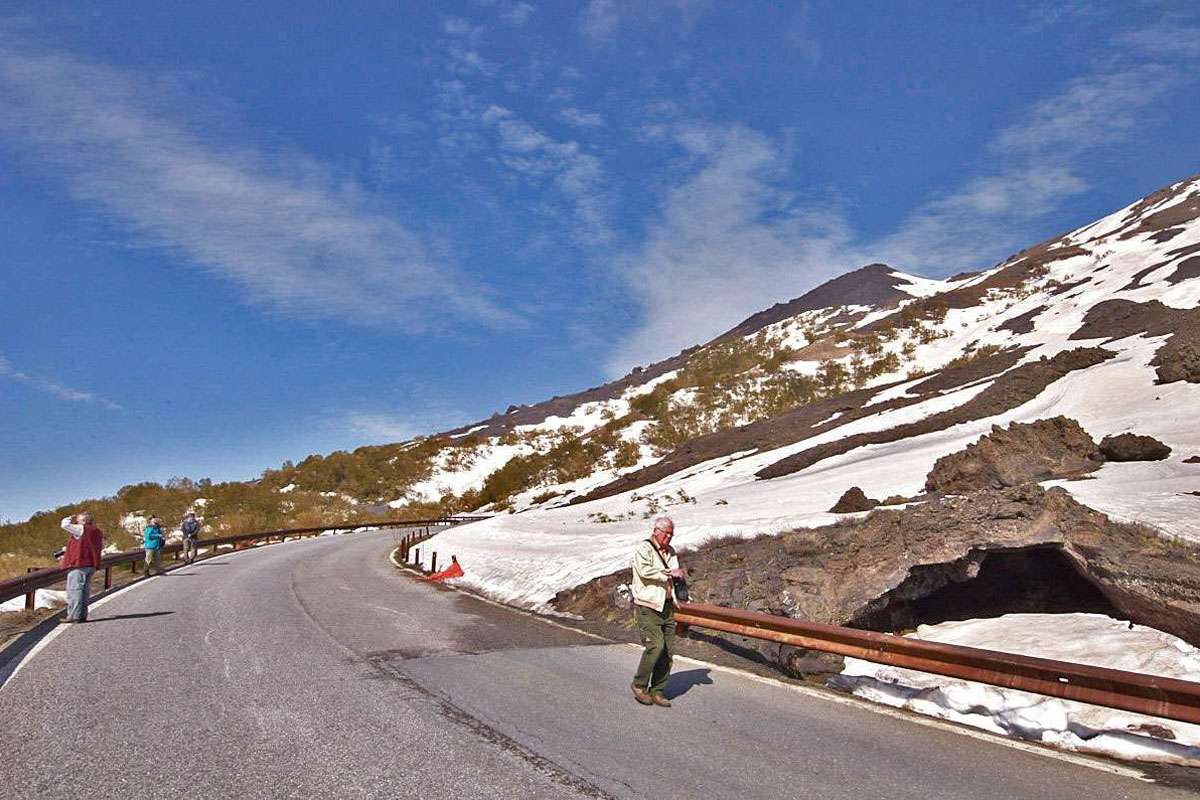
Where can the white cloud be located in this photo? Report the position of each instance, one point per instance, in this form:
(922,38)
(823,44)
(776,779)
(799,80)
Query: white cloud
(1037,169)
(729,242)
(383,427)
(577,175)
(53,388)
(296,238)
(975,225)
(1091,111)
(599,18)
(518,14)
(389,426)
(583,119)
(1166,39)
(457,26)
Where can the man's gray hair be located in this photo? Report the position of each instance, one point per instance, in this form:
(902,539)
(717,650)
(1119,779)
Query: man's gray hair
(663,523)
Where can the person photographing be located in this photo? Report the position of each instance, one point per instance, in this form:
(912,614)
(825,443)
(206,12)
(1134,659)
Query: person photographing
(81,558)
(655,572)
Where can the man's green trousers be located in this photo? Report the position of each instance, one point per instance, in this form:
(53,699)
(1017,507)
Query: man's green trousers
(657,631)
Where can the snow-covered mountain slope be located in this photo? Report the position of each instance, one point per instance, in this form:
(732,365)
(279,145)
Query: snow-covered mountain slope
(764,428)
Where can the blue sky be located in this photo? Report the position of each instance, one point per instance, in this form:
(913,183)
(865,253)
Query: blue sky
(233,236)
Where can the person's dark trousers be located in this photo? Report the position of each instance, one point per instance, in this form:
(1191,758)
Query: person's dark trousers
(658,638)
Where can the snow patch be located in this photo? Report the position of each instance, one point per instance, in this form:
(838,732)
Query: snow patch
(1080,727)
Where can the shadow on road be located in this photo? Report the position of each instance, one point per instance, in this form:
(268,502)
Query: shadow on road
(131,616)
(681,682)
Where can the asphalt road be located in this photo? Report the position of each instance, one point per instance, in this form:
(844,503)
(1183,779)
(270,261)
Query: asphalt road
(316,669)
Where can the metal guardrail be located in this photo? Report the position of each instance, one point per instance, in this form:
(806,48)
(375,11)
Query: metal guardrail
(1154,695)
(29,583)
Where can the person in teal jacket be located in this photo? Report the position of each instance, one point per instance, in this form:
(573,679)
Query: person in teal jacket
(152,541)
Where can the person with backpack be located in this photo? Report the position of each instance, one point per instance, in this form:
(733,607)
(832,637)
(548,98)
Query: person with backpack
(152,542)
(81,559)
(190,528)
(656,572)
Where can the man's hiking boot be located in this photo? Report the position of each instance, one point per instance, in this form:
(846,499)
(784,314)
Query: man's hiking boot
(660,699)
(641,695)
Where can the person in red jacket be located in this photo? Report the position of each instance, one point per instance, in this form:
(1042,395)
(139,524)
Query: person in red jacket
(82,558)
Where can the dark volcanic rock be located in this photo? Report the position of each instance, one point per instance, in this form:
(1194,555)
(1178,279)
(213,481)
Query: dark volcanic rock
(852,501)
(1175,360)
(1022,323)
(1180,363)
(1192,460)
(1024,453)
(989,552)
(1131,447)
(1017,386)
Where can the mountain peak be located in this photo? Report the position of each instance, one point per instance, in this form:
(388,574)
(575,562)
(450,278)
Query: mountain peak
(871,285)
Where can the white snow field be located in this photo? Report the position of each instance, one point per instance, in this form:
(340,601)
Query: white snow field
(526,558)
(1081,638)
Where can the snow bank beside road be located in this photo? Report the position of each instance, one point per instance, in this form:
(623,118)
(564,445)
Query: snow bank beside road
(1080,638)
(43,598)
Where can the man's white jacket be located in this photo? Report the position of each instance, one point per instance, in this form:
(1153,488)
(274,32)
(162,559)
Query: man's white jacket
(651,585)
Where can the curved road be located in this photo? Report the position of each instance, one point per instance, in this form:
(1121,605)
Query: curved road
(316,669)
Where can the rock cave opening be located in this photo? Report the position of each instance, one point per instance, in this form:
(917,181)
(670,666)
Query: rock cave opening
(986,584)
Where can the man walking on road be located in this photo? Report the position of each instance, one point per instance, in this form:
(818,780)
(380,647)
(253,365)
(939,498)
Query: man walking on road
(190,528)
(82,559)
(655,567)
(152,542)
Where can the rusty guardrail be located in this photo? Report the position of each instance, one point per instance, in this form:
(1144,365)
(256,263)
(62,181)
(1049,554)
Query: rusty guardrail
(29,583)
(1154,695)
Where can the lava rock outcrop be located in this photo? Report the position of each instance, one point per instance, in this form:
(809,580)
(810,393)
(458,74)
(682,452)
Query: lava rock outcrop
(1131,447)
(1023,453)
(853,500)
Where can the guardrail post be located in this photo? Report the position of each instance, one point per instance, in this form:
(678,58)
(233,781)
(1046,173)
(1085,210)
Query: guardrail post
(433,562)
(417,558)
(108,577)
(133,566)
(30,597)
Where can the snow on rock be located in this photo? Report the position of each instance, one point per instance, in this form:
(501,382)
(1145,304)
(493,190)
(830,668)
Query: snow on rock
(133,523)
(1081,727)
(42,598)
(291,487)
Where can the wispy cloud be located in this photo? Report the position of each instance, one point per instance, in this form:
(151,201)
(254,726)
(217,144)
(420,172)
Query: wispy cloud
(390,426)
(1090,111)
(295,237)
(53,388)
(518,14)
(536,156)
(730,241)
(1170,38)
(383,427)
(583,119)
(600,19)
(1037,167)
